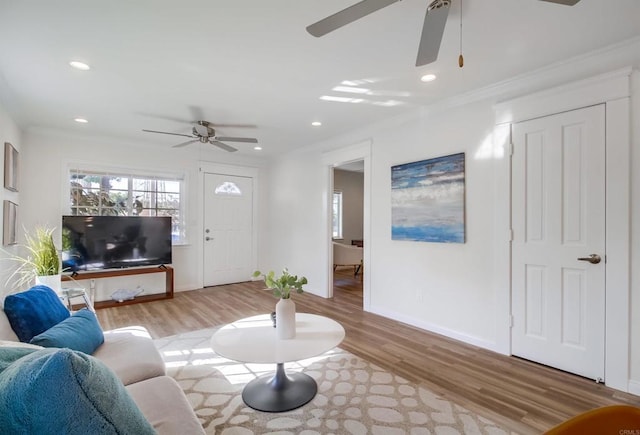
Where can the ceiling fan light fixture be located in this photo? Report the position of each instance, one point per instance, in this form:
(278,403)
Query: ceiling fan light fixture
(428,78)
(81,120)
(79,65)
(316,123)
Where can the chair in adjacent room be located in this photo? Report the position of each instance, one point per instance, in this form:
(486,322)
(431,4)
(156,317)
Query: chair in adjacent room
(347,255)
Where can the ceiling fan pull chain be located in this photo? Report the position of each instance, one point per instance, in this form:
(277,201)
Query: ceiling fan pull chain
(460,58)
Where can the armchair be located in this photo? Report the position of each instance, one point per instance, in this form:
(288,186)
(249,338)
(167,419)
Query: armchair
(347,255)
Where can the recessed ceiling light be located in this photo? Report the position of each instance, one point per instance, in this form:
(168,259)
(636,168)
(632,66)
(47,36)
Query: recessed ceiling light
(428,77)
(79,65)
(316,123)
(257,148)
(80,120)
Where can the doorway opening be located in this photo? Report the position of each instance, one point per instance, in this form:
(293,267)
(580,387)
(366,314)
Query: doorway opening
(348,228)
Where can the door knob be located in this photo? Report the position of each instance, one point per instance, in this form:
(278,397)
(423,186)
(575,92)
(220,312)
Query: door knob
(593,259)
(208,238)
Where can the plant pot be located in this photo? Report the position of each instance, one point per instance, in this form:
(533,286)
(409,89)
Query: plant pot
(285,319)
(54,282)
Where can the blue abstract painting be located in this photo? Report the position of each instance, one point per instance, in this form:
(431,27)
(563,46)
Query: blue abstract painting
(427,200)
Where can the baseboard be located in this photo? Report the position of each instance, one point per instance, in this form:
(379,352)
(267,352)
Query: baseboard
(427,326)
(187,288)
(634,387)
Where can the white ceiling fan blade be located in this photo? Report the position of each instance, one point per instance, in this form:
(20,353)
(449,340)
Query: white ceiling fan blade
(236,139)
(233,125)
(346,16)
(166,132)
(224,146)
(432,30)
(563,2)
(183,144)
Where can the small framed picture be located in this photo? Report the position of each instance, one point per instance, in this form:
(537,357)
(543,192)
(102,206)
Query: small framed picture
(10,167)
(10,221)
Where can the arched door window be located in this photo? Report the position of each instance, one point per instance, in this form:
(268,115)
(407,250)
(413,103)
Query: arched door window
(228,188)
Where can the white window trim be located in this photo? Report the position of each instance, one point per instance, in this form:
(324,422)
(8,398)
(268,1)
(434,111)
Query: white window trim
(340,236)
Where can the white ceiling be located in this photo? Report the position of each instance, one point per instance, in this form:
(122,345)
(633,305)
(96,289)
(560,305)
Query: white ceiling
(155,62)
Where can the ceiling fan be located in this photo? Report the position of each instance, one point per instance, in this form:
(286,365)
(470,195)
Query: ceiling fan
(204,132)
(432,29)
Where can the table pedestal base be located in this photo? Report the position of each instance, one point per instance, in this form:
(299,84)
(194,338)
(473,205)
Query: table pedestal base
(279,392)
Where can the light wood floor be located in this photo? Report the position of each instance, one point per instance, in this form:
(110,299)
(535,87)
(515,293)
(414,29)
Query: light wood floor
(525,397)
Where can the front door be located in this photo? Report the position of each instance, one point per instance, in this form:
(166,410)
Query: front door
(558,257)
(228,229)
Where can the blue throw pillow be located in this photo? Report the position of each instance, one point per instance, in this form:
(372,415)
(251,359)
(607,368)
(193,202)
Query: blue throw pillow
(60,391)
(79,332)
(34,311)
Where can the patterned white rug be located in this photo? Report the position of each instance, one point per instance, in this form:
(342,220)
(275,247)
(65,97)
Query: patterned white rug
(354,396)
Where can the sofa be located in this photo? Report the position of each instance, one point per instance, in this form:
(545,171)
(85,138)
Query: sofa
(126,366)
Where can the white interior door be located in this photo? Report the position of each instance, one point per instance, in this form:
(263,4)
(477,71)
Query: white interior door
(558,296)
(228,229)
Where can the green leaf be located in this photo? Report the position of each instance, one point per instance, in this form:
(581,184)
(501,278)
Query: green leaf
(282,285)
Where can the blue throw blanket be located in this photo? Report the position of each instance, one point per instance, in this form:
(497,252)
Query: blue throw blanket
(60,391)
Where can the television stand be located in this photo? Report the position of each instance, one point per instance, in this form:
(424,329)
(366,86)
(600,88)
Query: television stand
(168,294)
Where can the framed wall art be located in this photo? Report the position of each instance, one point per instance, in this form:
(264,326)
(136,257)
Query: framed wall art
(10,215)
(428,200)
(10,167)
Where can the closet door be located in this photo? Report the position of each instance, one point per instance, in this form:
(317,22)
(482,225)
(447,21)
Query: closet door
(558,257)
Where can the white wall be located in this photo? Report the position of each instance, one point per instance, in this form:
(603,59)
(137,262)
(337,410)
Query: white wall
(44,192)
(351,184)
(437,286)
(9,132)
(299,234)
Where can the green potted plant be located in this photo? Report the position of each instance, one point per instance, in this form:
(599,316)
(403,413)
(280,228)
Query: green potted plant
(40,262)
(283,284)
(285,314)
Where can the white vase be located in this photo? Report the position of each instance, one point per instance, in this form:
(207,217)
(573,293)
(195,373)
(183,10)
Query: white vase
(54,282)
(285,319)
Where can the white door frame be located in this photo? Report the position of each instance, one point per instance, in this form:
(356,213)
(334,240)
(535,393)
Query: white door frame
(614,90)
(240,171)
(359,151)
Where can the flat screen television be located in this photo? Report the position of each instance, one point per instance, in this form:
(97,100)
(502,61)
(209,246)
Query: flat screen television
(110,242)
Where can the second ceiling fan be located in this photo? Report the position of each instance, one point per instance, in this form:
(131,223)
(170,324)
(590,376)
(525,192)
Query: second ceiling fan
(204,132)
(432,29)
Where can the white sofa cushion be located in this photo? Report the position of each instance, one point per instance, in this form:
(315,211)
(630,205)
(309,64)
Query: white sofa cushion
(165,406)
(6,332)
(131,354)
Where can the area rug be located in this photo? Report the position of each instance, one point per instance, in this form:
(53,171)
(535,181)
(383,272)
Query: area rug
(354,396)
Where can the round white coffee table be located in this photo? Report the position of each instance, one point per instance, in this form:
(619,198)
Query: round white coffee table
(253,340)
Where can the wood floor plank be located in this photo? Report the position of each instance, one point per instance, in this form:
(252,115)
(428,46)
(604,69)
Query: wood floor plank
(522,396)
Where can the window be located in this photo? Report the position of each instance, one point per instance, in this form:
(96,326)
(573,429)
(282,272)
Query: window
(228,188)
(337,215)
(107,193)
